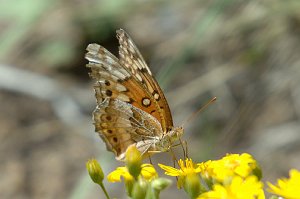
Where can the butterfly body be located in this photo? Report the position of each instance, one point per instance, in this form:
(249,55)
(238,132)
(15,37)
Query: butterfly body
(131,107)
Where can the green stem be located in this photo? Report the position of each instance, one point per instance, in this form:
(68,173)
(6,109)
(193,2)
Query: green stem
(104,190)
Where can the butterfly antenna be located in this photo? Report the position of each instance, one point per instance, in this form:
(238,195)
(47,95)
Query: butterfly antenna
(193,115)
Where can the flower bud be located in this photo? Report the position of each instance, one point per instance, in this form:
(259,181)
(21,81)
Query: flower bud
(257,172)
(133,160)
(95,171)
(139,189)
(161,183)
(192,185)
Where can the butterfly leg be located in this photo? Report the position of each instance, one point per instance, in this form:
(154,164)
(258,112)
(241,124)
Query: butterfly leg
(184,148)
(150,160)
(175,160)
(153,152)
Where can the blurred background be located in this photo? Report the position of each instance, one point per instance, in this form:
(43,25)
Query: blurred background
(246,53)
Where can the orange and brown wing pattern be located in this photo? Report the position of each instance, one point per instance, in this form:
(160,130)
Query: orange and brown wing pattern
(121,125)
(115,81)
(154,102)
(132,108)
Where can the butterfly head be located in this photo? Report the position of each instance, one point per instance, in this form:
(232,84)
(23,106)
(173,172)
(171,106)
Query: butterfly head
(175,133)
(167,140)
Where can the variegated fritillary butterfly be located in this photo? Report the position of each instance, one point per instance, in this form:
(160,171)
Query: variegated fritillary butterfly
(131,107)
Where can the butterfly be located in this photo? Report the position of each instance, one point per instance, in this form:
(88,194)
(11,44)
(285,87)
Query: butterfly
(131,107)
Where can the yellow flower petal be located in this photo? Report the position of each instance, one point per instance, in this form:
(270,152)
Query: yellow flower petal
(229,166)
(287,188)
(148,172)
(170,171)
(115,176)
(186,167)
(238,188)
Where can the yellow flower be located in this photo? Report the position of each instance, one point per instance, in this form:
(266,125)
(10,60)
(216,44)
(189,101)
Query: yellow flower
(148,172)
(230,165)
(287,188)
(185,168)
(238,188)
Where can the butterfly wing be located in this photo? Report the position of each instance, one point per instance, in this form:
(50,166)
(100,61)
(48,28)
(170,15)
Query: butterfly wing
(122,125)
(131,107)
(131,58)
(115,81)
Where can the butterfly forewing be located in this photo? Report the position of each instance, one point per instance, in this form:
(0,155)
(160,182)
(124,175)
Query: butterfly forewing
(131,58)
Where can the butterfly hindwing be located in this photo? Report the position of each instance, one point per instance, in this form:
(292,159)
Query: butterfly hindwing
(121,125)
